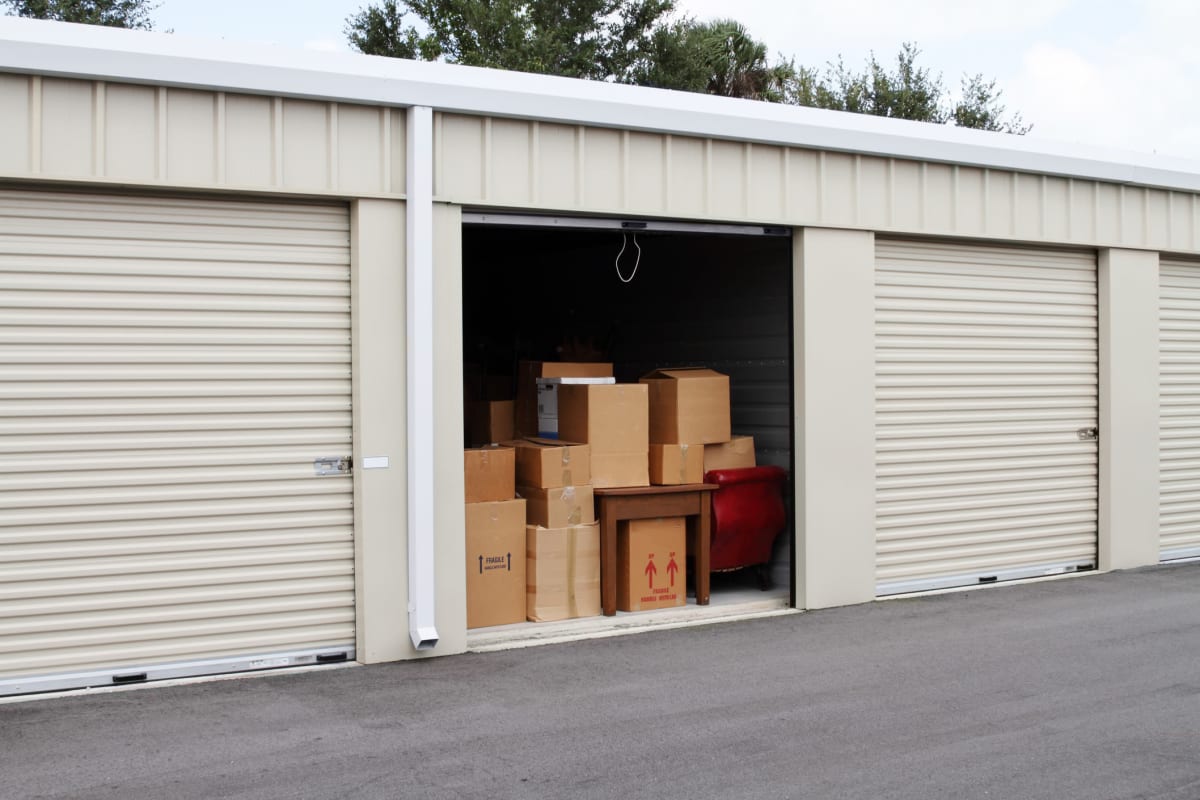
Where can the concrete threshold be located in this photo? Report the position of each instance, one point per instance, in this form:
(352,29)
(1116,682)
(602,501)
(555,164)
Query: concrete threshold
(531,634)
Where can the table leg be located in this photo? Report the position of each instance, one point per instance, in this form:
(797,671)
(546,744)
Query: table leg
(608,560)
(703,546)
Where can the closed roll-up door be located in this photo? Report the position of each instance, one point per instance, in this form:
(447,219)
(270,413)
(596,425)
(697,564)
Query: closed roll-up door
(986,405)
(1179,415)
(169,370)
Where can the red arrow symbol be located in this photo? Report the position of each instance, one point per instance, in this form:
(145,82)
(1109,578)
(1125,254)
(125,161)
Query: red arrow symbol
(672,568)
(650,570)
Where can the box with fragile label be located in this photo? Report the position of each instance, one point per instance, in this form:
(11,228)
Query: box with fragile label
(495,563)
(614,421)
(525,415)
(562,572)
(558,508)
(547,394)
(489,473)
(676,464)
(738,452)
(688,405)
(551,463)
(651,564)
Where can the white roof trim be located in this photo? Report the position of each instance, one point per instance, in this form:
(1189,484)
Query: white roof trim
(97,53)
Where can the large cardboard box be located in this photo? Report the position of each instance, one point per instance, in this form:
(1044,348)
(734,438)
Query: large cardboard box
(489,421)
(551,463)
(688,406)
(525,419)
(562,572)
(675,464)
(651,564)
(495,563)
(736,453)
(558,508)
(614,420)
(547,394)
(490,473)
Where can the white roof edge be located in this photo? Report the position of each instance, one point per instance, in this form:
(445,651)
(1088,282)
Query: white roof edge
(111,54)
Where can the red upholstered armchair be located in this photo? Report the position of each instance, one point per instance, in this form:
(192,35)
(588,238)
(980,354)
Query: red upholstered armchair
(747,515)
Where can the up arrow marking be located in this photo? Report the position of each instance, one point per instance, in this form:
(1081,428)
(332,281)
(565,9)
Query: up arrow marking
(510,562)
(650,570)
(481,565)
(672,568)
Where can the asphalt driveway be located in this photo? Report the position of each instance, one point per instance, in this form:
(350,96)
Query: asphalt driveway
(1081,688)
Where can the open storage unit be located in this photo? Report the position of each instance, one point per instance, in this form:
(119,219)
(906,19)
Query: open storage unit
(641,295)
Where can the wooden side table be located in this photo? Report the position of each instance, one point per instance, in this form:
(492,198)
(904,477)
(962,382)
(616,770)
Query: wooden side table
(693,500)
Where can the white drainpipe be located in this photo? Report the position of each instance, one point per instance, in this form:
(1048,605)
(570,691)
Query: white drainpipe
(419,302)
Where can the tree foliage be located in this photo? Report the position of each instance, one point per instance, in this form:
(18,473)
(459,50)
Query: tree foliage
(596,39)
(644,42)
(111,13)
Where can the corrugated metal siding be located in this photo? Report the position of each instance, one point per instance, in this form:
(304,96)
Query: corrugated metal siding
(155,135)
(169,369)
(986,367)
(481,161)
(1179,412)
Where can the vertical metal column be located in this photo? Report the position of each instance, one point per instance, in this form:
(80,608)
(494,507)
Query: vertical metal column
(419,339)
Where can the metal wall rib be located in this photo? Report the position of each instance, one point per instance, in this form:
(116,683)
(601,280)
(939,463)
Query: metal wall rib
(1179,409)
(986,368)
(169,369)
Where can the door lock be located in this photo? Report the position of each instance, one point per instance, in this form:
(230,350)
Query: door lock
(332,465)
(1088,434)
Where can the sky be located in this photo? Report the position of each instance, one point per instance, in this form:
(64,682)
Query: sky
(1121,74)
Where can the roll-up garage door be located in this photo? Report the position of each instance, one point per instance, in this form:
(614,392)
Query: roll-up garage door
(986,408)
(169,370)
(1179,414)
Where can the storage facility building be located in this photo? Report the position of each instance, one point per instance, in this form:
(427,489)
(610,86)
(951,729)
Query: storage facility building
(239,287)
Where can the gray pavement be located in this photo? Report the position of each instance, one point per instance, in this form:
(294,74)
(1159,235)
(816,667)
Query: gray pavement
(1085,688)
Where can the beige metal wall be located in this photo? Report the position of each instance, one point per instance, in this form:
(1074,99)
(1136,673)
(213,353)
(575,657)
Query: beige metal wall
(522,164)
(75,130)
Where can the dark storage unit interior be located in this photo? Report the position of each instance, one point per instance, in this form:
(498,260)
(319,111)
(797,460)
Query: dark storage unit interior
(721,301)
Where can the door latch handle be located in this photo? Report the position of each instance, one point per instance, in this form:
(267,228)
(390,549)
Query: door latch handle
(1088,434)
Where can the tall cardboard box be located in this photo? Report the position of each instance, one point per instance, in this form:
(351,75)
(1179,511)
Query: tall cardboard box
(558,508)
(676,464)
(688,406)
(736,453)
(489,473)
(489,421)
(495,563)
(614,420)
(651,564)
(552,463)
(525,420)
(547,394)
(562,572)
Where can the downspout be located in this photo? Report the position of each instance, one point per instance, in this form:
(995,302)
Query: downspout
(419,340)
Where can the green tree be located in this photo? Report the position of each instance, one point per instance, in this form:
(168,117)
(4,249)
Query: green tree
(596,39)
(906,91)
(717,57)
(112,13)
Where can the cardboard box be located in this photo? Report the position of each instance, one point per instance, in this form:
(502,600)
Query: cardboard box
(562,572)
(651,564)
(688,406)
(490,473)
(614,420)
(560,507)
(489,421)
(495,563)
(547,394)
(737,452)
(525,415)
(550,463)
(674,464)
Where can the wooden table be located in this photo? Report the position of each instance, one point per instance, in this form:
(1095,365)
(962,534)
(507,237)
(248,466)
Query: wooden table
(692,500)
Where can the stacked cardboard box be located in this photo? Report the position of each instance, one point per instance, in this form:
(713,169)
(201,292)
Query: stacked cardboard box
(495,534)
(562,539)
(689,419)
(526,406)
(614,420)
